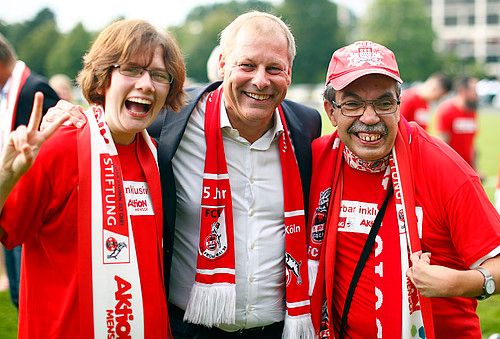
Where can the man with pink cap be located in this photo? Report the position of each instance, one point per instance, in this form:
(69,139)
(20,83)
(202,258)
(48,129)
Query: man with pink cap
(384,197)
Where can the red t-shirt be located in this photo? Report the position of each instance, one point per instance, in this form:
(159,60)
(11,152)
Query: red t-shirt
(459,226)
(461,126)
(414,108)
(41,214)
(360,202)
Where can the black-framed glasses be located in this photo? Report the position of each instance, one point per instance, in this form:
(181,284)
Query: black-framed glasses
(356,108)
(133,71)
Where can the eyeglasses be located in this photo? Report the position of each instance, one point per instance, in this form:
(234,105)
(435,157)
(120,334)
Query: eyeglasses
(356,108)
(133,71)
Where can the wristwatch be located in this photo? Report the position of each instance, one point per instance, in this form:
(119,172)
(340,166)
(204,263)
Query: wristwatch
(488,285)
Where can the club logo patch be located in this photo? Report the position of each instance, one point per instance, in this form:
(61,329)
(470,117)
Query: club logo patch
(318,227)
(365,53)
(215,243)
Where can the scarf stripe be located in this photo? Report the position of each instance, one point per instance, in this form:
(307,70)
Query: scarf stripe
(8,109)
(213,298)
(110,285)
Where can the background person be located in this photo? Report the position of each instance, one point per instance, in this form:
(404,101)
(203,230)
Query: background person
(439,230)
(98,220)
(18,85)
(213,71)
(456,119)
(416,100)
(63,86)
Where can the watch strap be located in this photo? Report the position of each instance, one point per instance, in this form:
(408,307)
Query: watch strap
(487,276)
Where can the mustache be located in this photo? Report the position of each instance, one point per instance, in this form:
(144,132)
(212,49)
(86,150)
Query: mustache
(359,127)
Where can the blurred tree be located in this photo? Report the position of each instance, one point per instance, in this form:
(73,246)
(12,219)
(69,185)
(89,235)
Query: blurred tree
(405,27)
(199,34)
(66,55)
(19,32)
(317,33)
(37,45)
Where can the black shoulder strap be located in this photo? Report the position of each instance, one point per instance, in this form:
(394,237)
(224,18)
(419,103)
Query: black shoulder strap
(362,261)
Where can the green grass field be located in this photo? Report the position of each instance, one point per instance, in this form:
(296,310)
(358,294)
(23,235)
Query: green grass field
(488,144)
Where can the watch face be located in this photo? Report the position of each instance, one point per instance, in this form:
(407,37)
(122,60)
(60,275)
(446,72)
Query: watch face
(490,287)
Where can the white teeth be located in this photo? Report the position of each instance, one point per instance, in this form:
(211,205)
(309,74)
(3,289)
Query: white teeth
(258,96)
(370,137)
(140,101)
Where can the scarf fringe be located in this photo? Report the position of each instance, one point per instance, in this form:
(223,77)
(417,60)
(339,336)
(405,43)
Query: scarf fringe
(211,305)
(312,271)
(299,327)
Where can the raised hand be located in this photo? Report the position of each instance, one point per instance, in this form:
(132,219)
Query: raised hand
(23,146)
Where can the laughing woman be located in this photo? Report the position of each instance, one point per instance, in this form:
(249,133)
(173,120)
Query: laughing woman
(89,211)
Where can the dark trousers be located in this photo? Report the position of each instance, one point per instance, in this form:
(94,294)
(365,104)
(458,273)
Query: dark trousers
(13,266)
(183,330)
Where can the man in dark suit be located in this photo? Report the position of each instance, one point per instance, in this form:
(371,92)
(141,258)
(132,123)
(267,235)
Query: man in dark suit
(18,86)
(255,64)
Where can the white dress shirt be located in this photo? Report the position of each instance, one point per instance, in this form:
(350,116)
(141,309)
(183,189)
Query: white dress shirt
(257,195)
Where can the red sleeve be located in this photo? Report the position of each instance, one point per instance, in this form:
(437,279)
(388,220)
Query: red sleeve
(474,223)
(407,106)
(444,118)
(42,192)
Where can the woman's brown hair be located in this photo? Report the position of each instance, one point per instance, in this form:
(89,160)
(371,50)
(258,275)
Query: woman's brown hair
(118,44)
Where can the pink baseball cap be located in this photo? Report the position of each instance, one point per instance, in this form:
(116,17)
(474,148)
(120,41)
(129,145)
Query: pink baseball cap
(358,59)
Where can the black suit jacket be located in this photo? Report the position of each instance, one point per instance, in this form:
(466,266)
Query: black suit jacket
(33,84)
(303,122)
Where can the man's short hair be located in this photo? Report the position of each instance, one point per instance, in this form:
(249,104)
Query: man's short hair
(444,81)
(229,33)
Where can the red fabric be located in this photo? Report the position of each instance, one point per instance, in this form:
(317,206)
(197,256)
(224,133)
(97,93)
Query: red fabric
(358,59)
(41,213)
(415,108)
(360,197)
(461,126)
(453,203)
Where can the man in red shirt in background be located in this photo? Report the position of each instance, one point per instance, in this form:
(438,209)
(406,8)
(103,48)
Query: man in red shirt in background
(415,101)
(457,119)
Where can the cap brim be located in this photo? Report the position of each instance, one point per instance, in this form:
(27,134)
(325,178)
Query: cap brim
(342,81)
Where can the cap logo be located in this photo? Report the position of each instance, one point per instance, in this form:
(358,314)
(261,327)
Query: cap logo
(364,55)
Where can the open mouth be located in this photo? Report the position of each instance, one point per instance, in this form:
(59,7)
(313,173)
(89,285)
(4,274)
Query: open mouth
(138,106)
(369,137)
(260,97)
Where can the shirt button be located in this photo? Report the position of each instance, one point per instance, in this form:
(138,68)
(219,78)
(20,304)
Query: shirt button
(250,212)
(252,180)
(251,278)
(252,246)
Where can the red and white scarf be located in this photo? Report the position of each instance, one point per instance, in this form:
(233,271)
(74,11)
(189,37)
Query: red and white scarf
(328,156)
(8,106)
(213,296)
(110,284)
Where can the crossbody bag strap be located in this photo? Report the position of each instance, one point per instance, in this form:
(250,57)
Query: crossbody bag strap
(362,261)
